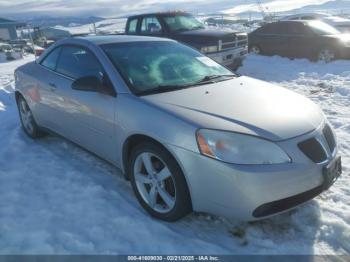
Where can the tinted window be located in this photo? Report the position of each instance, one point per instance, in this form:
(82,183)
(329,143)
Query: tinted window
(51,60)
(281,28)
(77,62)
(268,29)
(182,22)
(308,18)
(132,26)
(150,26)
(322,28)
(297,29)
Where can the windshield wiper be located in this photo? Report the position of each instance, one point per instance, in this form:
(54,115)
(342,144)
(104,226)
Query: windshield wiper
(210,78)
(169,88)
(162,89)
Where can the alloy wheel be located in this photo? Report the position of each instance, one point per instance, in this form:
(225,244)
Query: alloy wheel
(26,117)
(154,182)
(326,56)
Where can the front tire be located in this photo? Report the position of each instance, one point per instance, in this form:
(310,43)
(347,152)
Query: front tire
(326,55)
(158,182)
(255,50)
(27,119)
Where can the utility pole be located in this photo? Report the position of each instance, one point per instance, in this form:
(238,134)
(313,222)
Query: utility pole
(31,40)
(265,15)
(94,28)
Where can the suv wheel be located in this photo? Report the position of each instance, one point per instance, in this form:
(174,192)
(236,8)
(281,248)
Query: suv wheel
(326,55)
(255,50)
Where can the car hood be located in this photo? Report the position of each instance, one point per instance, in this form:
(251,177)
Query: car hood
(217,33)
(205,37)
(244,105)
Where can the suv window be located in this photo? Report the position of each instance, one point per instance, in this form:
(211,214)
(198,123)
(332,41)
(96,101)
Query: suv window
(51,60)
(297,29)
(77,62)
(281,28)
(308,18)
(269,29)
(151,26)
(132,26)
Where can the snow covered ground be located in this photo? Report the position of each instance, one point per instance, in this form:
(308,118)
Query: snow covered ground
(109,25)
(57,198)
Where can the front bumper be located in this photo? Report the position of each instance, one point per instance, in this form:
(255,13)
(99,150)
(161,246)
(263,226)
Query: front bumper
(229,57)
(238,191)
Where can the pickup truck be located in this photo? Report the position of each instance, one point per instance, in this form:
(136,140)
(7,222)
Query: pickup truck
(224,46)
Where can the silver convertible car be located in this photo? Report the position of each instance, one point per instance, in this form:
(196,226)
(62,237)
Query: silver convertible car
(188,133)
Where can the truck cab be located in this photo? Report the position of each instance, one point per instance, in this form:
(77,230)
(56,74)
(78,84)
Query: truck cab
(224,46)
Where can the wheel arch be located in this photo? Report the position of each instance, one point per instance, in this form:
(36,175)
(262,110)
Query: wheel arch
(18,94)
(136,139)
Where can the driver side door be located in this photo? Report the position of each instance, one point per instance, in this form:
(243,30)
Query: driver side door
(88,117)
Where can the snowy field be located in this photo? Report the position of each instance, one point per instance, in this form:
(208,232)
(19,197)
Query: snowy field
(56,198)
(109,25)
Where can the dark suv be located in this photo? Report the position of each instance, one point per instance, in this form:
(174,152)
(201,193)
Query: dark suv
(314,39)
(224,46)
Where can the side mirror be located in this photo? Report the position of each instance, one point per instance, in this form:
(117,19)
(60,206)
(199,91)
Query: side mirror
(88,83)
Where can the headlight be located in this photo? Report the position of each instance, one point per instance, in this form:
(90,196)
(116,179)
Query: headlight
(209,49)
(239,149)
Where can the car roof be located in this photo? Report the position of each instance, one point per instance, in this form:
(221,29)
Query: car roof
(111,39)
(305,22)
(307,14)
(102,40)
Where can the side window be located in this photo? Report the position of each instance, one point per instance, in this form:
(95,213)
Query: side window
(50,61)
(268,29)
(281,29)
(77,62)
(308,18)
(132,26)
(297,29)
(151,26)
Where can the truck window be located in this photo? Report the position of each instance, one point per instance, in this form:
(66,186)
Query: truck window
(151,26)
(132,26)
(182,22)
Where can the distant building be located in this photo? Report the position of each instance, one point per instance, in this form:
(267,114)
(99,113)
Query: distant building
(8,29)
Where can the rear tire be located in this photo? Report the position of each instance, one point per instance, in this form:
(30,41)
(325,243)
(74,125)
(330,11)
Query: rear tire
(158,182)
(28,123)
(255,50)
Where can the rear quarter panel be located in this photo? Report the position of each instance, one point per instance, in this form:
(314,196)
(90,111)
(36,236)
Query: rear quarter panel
(27,84)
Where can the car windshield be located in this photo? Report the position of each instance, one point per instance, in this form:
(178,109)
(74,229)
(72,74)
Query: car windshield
(163,66)
(183,22)
(322,28)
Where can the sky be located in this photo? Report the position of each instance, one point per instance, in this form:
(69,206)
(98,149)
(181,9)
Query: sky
(108,8)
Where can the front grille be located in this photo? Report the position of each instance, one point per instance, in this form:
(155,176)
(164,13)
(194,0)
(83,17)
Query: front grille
(313,150)
(233,40)
(286,203)
(328,134)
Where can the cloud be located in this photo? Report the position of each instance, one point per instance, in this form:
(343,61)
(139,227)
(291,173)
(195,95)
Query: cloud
(275,6)
(121,7)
